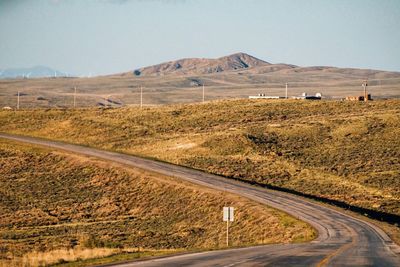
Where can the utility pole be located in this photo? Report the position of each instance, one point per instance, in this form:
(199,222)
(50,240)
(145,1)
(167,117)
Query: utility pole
(365,84)
(286,92)
(141,97)
(366,94)
(18,100)
(203,92)
(75,97)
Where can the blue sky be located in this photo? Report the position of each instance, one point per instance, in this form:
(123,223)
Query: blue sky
(110,36)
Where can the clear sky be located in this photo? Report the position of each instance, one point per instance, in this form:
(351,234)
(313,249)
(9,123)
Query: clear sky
(110,36)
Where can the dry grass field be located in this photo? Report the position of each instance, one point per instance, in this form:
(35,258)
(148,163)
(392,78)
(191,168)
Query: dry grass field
(57,207)
(337,151)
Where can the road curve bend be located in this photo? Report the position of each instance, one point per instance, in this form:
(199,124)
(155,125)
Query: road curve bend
(343,240)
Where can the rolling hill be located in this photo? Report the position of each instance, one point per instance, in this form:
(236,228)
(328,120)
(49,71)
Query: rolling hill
(190,66)
(242,63)
(323,149)
(57,207)
(234,76)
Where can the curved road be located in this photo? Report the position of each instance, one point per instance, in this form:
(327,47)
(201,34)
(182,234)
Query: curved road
(342,241)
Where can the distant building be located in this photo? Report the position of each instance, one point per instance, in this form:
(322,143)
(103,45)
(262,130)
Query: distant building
(359,98)
(263,96)
(195,82)
(317,96)
(365,97)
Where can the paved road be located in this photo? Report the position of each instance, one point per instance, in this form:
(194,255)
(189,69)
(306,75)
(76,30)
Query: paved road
(342,241)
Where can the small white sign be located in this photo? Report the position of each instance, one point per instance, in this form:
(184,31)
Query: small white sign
(228,214)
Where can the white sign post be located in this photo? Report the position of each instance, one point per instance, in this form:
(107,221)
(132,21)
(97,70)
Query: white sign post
(228,217)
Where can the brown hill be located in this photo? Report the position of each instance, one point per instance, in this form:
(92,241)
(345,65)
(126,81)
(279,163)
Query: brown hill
(184,66)
(242,63)
(236,76)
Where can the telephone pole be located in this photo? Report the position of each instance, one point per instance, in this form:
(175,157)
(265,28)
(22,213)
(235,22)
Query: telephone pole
(74,96)
(203,92)
(141,97)
(286,92)
(18,100)
(365,84)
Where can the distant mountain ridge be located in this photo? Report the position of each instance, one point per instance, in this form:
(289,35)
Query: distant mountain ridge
(33,72)
(231,65)
(238,61)
(242,63)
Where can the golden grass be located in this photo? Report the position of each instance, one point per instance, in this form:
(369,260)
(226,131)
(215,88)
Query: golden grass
(60,256)
(80,256)
(57,206)
(340,151)
(325,148)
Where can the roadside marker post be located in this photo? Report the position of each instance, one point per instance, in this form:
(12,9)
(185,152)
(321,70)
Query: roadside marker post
(228,217)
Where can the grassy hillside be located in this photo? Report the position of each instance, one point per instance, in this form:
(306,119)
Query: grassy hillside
(55,206)
(340,151)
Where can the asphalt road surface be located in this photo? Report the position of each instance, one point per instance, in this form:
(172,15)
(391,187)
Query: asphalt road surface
(342,241)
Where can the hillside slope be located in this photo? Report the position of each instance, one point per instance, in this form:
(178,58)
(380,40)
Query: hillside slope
(197,66)
(324,149)
(52,201)
(248,64)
